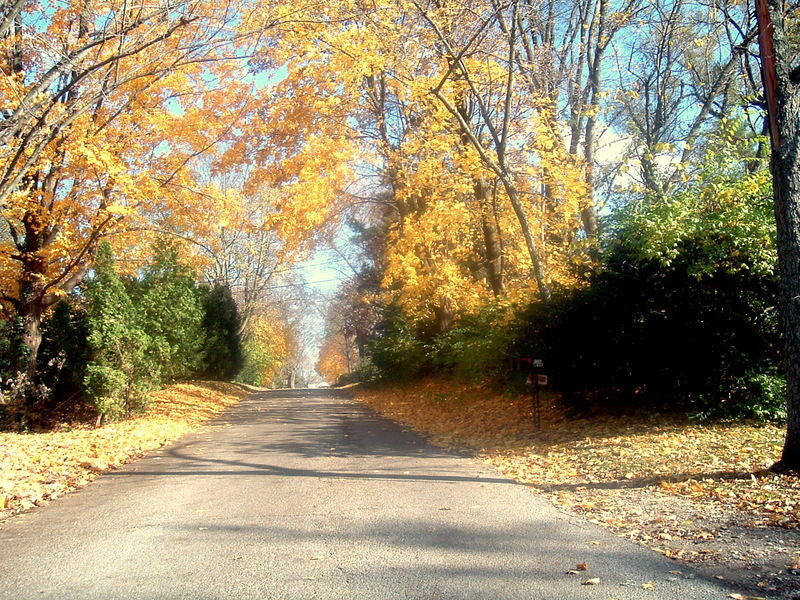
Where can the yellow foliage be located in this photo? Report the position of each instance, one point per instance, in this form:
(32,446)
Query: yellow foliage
(335,358)
(114,154)
(357,110)
(268,343)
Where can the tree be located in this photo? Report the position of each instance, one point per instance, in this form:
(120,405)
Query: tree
(171,311)
(268,346)
(378,133)
(678,77)
(119,372)
(99,130)
(222,350)
(779,41)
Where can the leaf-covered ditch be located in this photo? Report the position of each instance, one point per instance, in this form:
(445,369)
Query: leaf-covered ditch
(38,467)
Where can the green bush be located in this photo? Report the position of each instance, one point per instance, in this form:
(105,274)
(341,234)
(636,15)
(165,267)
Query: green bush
(477,347)
(755,394)
(222,350)
(120,370)
(107,387)
(399,350)
(170,310)
(643,333)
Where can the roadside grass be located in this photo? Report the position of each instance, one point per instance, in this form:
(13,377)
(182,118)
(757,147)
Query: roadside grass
(588,464)
(38,467)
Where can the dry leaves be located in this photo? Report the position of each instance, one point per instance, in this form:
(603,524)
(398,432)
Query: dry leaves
(38,467)
(581,462)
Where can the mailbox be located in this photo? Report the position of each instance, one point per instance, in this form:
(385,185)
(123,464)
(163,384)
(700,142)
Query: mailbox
(527,363)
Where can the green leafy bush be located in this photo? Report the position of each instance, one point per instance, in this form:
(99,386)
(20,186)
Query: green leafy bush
(477,347)
(222,348)
(120,370)
(400,350)
(170,310)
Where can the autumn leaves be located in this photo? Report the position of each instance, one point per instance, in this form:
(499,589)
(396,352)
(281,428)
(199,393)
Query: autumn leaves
(418,116)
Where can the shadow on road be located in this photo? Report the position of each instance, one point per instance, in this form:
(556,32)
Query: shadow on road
(321,425)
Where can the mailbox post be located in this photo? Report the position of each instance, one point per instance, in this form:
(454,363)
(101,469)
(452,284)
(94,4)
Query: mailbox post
(533,366)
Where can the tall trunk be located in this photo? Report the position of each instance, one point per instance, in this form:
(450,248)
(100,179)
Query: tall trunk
(782,87)
(444,316)
(498,134)
(491,239)
(31,303)
(491,234)
(32,339)
(588,212)
(537,265)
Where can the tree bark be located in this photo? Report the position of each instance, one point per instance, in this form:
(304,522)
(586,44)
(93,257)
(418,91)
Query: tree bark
(491,239)
(32,339)
(782,87)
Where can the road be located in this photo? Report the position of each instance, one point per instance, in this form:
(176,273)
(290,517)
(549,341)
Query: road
(307,494)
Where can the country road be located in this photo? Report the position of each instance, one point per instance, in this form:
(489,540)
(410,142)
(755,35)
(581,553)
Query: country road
(307,494)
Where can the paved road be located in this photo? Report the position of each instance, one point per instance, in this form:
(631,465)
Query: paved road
(309,495)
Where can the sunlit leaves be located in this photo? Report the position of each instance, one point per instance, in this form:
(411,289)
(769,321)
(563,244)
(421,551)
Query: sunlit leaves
(38,467)
(725,211)
(722,465)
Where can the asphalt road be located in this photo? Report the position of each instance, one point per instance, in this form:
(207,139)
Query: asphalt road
(307,494)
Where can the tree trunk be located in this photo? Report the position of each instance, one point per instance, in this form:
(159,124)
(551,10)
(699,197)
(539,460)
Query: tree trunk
(32,339)
(782,87)
(588,213)
(537,265)
(31,303)
(444,316)
(491,239)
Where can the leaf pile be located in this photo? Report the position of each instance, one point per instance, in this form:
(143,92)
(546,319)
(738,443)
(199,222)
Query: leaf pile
(38,467)
(585,464)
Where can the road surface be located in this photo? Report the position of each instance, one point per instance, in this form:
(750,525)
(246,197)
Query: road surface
(307,494)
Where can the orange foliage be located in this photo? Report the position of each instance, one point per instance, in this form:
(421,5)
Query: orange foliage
(336,357)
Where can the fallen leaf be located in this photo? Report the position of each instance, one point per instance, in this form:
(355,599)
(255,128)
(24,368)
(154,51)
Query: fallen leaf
(582,566)
(649,586)
(38,467)
(592,581)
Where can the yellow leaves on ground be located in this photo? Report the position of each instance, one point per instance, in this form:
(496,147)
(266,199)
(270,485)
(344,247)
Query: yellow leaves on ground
(38,467)
(587,464)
